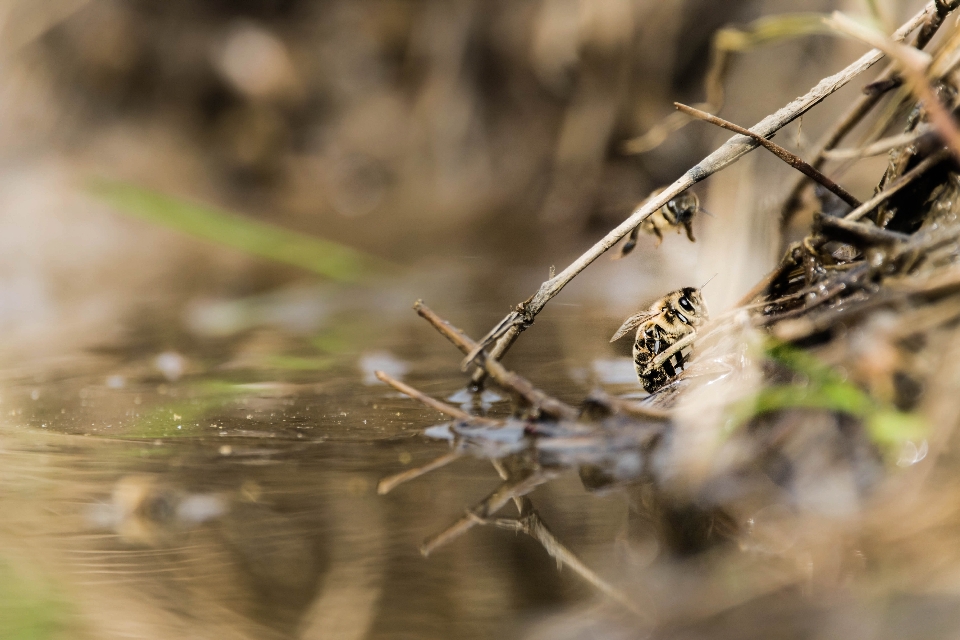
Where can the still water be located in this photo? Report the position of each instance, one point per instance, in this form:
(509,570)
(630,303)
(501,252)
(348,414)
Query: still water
(213,474)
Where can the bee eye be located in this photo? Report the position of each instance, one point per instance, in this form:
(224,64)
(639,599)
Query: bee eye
(685,304)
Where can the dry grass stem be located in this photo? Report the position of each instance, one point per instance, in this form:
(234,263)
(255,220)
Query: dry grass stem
(878,147)
(887,80)
(914,65)
(456,337)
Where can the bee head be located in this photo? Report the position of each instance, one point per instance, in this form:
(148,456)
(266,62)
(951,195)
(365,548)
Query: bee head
(683,207)
(690,303)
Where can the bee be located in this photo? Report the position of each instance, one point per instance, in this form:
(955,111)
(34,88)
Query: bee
(675,214)
(665,334)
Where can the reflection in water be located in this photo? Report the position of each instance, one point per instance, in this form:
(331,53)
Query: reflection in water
(230,491)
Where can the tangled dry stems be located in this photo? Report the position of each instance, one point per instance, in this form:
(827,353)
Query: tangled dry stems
(888,253)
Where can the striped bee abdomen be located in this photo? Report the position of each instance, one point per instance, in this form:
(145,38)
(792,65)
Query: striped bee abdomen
(650,341)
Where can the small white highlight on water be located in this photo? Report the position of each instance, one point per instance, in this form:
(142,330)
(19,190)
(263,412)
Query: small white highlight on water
(375,361)
(170,364)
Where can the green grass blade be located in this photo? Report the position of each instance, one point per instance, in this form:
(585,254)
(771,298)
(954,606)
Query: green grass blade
(323,257)
(826,389)
(768,30)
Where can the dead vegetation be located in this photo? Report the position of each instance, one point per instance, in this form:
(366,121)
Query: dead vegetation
(809,448)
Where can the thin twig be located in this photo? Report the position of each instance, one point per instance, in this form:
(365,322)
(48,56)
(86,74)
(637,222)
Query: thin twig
(896,186)
(731,151)
(883,84)
(878,147)
(941,9)
(827,292)
(457,337)
(791,159)
(865,234)
(506,379)
(499,348)
(433,403)
(915,322)
(854,114)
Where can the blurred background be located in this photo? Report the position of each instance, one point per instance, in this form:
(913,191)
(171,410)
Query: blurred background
(191,433)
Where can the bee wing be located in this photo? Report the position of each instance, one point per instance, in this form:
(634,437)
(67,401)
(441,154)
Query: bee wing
(631,323)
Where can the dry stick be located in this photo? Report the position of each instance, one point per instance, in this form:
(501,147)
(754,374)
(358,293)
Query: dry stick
(459,339)
(442,407)
(912,323)
(856,112)
(531,523)
(500,348)
(833,288)
(883,84)
(731,151)
(506,379)
(895,290)
(847,122)
(867,234)
(791,159)
(896,186)
(854,215)
(933,24)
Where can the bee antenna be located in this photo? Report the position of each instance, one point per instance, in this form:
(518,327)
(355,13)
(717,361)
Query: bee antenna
(704,211)
(710,280)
